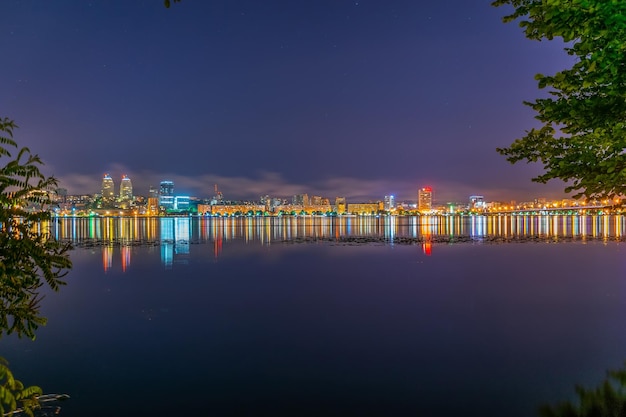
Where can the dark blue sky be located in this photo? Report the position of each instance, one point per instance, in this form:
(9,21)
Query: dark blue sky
(331,97)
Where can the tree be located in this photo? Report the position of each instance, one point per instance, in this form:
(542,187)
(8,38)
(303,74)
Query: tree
(168,3)
(13,392)
(582,140)
(29,257)
(606,400)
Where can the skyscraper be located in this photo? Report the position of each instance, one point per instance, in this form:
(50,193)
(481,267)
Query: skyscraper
(108,187)
(425,198)
(300,200)
(167,188)
(126,189)
(166,194)
(390,202)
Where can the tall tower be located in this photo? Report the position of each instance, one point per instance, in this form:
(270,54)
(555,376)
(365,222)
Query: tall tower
(425,198)
(126,189)
(390,202)
(167,188)
(108,187)
(166,194)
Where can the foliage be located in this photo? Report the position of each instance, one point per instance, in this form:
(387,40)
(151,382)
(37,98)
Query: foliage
(30,257)
(167,2)
(607,400)
(582,140)
(13,392)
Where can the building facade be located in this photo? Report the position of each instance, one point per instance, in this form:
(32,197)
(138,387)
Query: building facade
(365,208)
(425,199)
(477,202)
(108,187)
(181,202)
(340,205)
(390,202)
(166,194)
(300,200)
(126,189)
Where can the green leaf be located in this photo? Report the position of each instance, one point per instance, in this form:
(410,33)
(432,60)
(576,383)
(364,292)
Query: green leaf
(587,101)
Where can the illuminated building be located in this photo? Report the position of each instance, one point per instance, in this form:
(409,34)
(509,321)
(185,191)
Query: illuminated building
(231,209)
(166,194)
(218,198)
(108,187)
(301,200)
(477,202)
(152,206)
(167,188)
(153,192)
(204,209)
(181,202)
(365,208)
(340,205)
(126,189)
(425,198)
(61,194)
(390,202)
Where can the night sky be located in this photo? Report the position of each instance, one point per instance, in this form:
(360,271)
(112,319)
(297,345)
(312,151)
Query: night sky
(327,97)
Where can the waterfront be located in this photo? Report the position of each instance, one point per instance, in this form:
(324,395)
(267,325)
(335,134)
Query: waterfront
(432,316)
(267,230)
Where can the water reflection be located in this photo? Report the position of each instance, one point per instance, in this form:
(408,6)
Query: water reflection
(174,240)
(173,235)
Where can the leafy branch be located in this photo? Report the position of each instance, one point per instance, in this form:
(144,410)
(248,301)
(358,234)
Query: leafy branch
(582,140)
(30,257)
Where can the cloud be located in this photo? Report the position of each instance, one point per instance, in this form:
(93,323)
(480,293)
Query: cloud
(276,185)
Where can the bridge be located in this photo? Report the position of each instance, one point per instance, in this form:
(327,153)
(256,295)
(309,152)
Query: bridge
(588,209)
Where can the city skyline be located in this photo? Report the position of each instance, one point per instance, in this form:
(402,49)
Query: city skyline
(246,189)
(425,199)
(268,97)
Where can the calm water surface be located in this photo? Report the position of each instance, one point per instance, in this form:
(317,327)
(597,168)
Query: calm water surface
(429,317)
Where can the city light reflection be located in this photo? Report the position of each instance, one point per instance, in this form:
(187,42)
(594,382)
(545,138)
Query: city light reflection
(174,235)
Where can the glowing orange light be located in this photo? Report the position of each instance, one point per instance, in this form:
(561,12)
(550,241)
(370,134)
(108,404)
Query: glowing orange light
(427,248)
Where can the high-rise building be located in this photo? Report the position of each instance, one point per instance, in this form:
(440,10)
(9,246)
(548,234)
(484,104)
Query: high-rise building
(390,202)
(166,194)
(166,188)
(153,192)
(108,187)
(126,189)
(425,198)
(300,200)
(340,205)
(152,207)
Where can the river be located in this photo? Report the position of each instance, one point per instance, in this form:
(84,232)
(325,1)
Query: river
(312,316)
